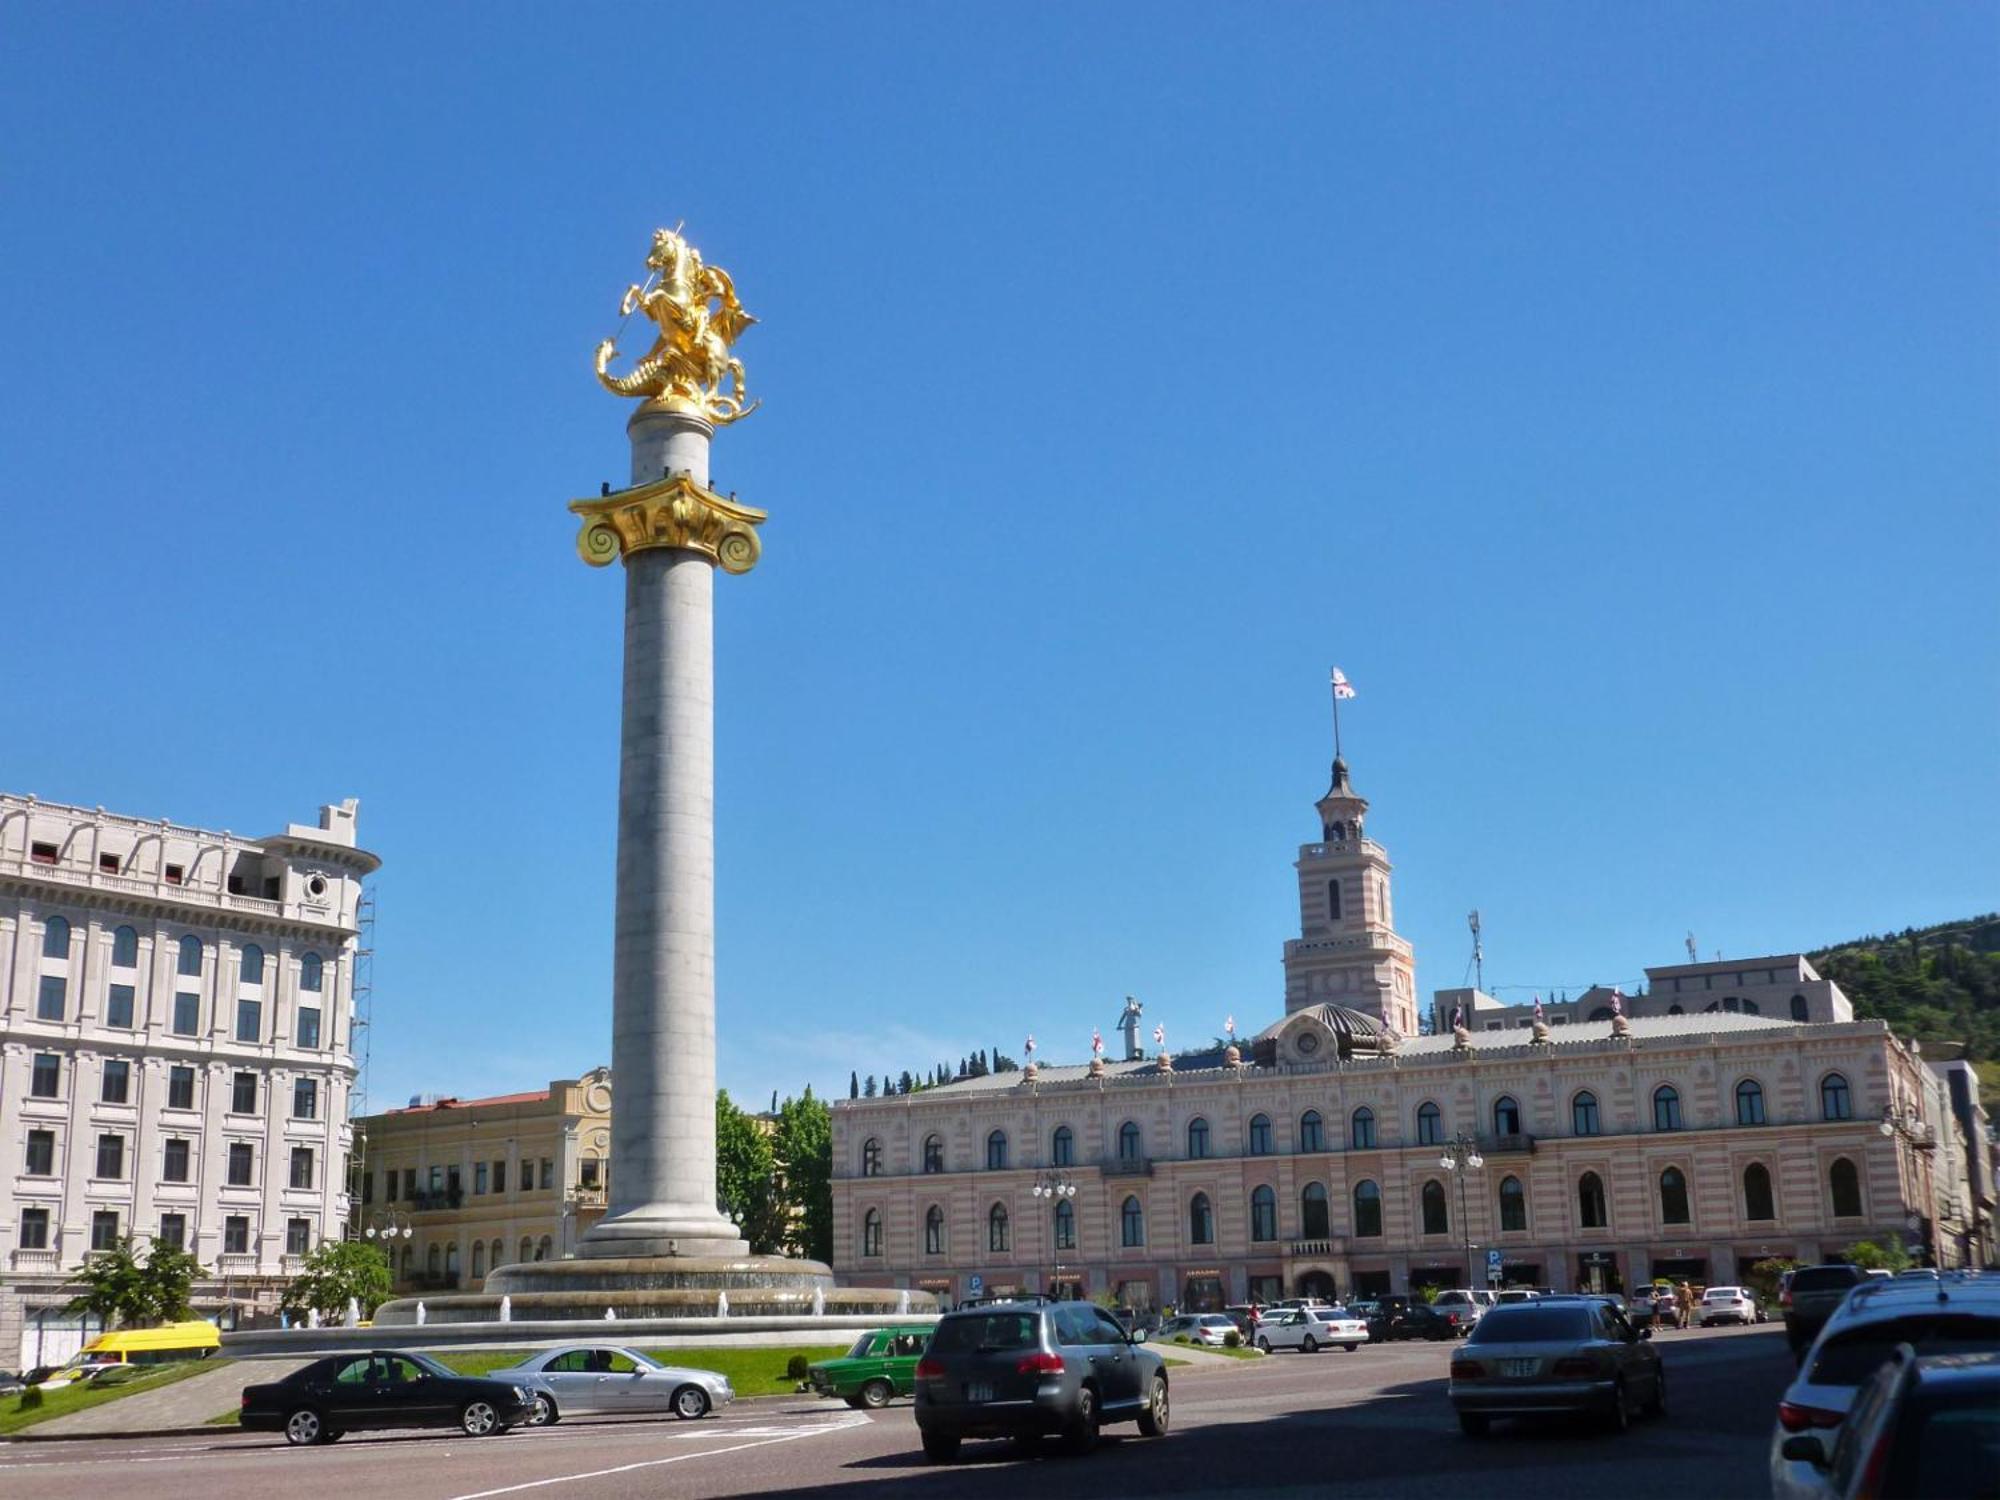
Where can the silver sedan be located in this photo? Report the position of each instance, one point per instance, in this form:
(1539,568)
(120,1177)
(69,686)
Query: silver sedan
(609,1380)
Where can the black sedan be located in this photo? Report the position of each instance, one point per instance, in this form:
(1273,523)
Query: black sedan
(1415,1320)
(381,1388)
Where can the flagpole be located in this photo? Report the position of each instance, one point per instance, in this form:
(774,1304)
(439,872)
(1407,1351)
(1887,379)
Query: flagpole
(1334,688)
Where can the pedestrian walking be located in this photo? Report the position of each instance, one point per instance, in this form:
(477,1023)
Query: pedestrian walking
(1684,1298)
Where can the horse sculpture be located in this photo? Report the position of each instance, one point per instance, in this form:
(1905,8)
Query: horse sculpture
(695,309)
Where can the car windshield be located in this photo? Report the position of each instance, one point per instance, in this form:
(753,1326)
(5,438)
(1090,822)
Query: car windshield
(1522,1323)
(1850,1357)
(430,1366)
(985,1331)
(861,1345)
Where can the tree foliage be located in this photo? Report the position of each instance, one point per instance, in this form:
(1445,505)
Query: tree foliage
(747,1183)
(125,1292)
(804,1147)
(1884,1254)
(340,1270)
(1938,984)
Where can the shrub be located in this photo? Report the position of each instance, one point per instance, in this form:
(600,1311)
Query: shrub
(30,1398)
(1232,1340)
(797,1367)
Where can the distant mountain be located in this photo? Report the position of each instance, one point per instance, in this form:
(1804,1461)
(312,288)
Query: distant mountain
(1940,985)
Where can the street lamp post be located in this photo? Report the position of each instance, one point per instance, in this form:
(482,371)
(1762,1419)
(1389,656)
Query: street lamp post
(386,1229)
(1909,1123)
(1461,1156)
(1051,1188)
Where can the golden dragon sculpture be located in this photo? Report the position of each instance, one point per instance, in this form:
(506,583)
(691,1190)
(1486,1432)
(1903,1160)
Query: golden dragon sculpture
(694,307)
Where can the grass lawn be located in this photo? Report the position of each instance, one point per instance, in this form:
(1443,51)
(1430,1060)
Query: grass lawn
(66,1399)
(753,1372)
(1245,1352)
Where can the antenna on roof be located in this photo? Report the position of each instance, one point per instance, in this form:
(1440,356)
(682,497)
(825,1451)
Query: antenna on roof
(1693,957)
(1478,953)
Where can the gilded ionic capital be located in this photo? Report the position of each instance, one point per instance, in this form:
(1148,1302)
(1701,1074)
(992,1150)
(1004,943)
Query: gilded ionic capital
(671,512)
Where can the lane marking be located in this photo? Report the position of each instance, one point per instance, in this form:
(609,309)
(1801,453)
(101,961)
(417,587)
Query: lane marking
(655,1463)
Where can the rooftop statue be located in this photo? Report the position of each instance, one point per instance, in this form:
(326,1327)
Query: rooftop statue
(694,307)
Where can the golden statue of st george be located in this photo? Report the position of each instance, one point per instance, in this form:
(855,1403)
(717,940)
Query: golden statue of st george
(694,307)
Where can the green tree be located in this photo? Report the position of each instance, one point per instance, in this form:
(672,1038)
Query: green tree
(123,1291)
(1885,1254)
(804,1147)
(745,1177)
(339,1270)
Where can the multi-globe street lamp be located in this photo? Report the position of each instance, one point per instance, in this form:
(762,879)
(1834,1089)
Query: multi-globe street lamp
(1051,1188)
(1461,1156)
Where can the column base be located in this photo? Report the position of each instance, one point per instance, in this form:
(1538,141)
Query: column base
(661,1229)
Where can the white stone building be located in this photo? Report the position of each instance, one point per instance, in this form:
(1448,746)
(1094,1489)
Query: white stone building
(176,1050)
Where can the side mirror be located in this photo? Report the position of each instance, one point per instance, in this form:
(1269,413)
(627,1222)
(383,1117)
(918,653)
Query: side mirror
(1805,1449)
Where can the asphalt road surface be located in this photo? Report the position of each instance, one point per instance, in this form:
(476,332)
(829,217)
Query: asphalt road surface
(1374,1423)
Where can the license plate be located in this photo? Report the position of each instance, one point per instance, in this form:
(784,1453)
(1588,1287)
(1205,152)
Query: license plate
(978,1390)
(1518,1367)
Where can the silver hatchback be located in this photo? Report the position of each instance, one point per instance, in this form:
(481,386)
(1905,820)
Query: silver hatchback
(604,1380)
(1556,1354)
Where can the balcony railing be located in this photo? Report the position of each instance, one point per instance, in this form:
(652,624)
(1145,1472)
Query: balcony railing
(1520,1143)
(438,1201)
(37,1260)
(1128,1166)
(1322,1246)
(236,1263)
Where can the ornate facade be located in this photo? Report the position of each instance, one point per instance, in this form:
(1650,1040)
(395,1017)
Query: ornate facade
(1686,1143)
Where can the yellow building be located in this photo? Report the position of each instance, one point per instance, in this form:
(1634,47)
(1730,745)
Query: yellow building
(455,1187)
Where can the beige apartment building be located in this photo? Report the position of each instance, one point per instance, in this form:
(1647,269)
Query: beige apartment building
(455,1187)
(1335,1153)
(176,1051)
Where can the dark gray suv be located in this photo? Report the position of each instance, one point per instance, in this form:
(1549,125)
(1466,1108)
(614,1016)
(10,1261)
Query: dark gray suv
(1027,1369)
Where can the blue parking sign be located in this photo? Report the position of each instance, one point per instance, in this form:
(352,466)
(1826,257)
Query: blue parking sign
(975,1284)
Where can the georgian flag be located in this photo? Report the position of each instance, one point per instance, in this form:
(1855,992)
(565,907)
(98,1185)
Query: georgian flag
(1342,688)
(1160,1035)
(1030,1044)
(1096,1041)
(1229,1026)
(1458,1017)
(1617,1003)
(1538,1007)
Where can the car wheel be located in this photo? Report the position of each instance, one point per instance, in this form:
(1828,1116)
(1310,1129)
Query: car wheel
(1350,1348)
(1264,1344)
(1310,1346)
(1153,1420)
(543,1413)
(478,1418)
(1619,1418)
(1081,1434)
(877,1393)
(939,1448)
(1474,1424)
(303,1427)
(690,1402)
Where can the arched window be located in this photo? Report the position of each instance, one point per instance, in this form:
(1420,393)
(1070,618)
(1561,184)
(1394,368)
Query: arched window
(1436,1221)
(1260,1135)
(252,968)
(933,1153)
(311,973)
(1201,1221)
(1333,901)
(1513,1204)
(1263,1214)
(1065,1216)
(55,938)
(478,1259)
(1757,1203)
(871,1157)
(1750,1008)
(1835,1100)
(1749,1102)
(933,1230)
(1583,1118)
(1846,1185)
(1506,1116)
(545,1249)
(1675,1010)
(190,959)
(499,1252)
(1314,1221)
(996,1228)
(1367,1211)
(1363,1131)
(996,1151)
(1673,1197)
(1132,1223)
(1601,1013)
(1130,1143)
(1666,1107)
(527,1248)
(1430,1125)
(433,1260)
(408,1253)
(451,1259)
(1312,1132)
(1197,1138)
(1590,1211)
(1062,1147)
(124,949)
(1798,1007)
(871,1232)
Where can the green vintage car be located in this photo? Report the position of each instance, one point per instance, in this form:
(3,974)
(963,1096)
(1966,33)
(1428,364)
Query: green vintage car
(881,1365)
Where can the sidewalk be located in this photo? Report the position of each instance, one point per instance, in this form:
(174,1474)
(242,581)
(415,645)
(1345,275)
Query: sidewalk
(186,1405)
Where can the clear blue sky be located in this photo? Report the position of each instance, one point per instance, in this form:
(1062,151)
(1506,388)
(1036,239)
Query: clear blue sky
(1611,391)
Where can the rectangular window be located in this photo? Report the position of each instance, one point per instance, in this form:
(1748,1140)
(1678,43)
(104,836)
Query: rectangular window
(34,1229)
(180,1087)
(302,1166)
(116,1085)
(298,1236)
(454,1182)
(305,1099)
(409,1184)
(479,1177)
(187,1013)
(108,863)
(46,1080)
(548,1173)
(42,854)
(242,1164)
(243,1094)
(367,1187)
(309,1026)
(249,1020)
(591,1173)
(437,1179)
(53,999)
(175,873)
(41,1159)
(173,1231)
(111,1157)
(118,1007)
(236,1235)
(104,1229)
(174,1163)
(499,1177)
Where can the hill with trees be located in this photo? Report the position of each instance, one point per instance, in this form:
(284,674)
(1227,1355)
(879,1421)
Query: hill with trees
(1938,984)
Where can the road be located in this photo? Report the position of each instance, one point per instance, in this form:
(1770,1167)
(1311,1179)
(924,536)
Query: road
(1370,1424)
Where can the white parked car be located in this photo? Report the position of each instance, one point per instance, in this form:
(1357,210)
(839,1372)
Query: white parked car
(1197,1328)
(1725,1304)
(1311,1329)
(609,1380)
(1469,1304)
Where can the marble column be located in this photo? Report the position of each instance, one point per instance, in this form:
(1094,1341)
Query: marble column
(662,1194)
